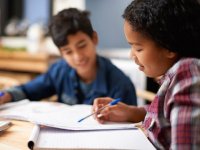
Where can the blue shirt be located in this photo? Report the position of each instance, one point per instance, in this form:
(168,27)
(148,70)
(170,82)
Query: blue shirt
(62,80)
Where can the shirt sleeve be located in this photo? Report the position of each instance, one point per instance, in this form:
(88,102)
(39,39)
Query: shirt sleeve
(40,87)
(17,94)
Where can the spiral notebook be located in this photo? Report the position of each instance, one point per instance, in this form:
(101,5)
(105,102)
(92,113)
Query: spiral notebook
(45,138)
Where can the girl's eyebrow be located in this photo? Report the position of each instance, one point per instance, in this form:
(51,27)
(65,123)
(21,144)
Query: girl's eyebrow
(135,43)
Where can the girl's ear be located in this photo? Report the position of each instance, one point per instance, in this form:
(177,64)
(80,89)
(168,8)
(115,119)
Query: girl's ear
(171,54)
(95,38)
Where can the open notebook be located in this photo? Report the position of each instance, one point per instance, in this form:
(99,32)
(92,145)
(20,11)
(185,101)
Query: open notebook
(57,115)
(44,138)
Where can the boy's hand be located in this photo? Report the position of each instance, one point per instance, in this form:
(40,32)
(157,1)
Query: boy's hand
(4,98)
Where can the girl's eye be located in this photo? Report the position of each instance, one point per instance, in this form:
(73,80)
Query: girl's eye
(138,50)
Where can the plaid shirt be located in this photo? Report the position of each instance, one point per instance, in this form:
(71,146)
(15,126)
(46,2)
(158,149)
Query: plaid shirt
(173,118)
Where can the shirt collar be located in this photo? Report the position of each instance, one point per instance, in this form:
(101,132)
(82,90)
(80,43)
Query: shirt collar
(167,75)
(99,84)
(173,70)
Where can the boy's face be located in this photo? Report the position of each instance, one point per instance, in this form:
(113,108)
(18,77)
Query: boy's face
(152,59)
(80,52)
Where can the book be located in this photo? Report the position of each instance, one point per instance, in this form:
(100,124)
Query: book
(46,138)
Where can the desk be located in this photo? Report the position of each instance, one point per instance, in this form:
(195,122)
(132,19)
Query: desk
(16,136)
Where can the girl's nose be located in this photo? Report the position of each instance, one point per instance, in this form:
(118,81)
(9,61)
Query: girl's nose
(132,55)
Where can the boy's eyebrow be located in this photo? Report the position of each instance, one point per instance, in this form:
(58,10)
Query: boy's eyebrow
(64,49)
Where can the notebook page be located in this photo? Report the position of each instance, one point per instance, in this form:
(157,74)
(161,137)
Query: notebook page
(13,104)
(50,139)
(59,115)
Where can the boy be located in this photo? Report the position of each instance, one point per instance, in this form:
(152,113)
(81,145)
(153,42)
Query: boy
(164,36)
(82,75)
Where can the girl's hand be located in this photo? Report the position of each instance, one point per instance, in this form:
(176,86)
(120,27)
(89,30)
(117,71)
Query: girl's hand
(117,113)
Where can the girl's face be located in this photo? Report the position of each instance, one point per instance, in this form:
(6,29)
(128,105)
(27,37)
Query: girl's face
(152,59)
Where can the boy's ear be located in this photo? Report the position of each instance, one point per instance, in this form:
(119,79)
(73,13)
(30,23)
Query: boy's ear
(95,38)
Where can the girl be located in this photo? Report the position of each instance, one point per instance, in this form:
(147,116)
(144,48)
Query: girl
(165,39)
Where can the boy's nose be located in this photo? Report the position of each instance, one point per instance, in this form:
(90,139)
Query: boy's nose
(78,56)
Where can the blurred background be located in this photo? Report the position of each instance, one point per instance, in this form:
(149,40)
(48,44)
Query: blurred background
(17,16)
(26,50)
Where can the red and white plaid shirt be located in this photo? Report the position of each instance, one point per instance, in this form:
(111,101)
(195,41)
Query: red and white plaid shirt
(173,118)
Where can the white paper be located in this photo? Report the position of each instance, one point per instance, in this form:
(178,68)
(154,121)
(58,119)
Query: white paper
(130,139)
(4,125)
(59,115)
(13,104)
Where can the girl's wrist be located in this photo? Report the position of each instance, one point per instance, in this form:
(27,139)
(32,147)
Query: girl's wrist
(136,114)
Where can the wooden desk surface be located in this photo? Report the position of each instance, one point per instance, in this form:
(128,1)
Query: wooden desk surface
(16,137)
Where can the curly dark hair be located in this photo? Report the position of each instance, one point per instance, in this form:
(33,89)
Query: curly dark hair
(67,22)
(173,24)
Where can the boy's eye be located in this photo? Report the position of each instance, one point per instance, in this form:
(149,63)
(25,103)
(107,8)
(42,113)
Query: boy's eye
(66,52)
(81,44)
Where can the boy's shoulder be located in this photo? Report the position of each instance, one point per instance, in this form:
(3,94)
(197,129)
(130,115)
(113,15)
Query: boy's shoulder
(108,65)
(112,70)
(60,65)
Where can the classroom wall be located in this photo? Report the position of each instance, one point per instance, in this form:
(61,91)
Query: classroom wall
(106,16)
(37,10)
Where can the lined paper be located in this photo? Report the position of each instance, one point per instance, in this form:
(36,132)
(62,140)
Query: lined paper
(129,139)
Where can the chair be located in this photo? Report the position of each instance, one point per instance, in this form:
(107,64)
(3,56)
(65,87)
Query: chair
(6,82)
(146,95)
